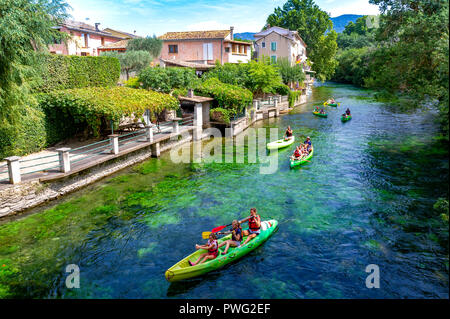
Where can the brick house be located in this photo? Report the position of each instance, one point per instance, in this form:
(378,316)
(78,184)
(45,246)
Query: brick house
(85,39)
(203,47)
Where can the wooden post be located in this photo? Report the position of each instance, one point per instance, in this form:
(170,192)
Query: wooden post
(14,169)
(114,138)
(64,159)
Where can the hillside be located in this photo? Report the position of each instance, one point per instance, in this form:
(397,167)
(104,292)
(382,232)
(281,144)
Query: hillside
(340,22)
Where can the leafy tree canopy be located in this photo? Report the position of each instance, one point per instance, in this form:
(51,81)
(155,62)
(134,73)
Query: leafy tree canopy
(153,45)
(131,61)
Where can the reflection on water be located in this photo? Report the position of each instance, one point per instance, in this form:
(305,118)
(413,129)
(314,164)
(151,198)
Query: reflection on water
(366,197)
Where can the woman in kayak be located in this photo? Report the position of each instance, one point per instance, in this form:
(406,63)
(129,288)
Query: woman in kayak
(254,226)
(288,133)
(213,249)
(236,237)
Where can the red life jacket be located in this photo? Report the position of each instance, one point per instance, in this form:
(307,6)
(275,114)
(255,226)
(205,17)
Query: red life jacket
(297,153)
(213,250)
(252,223)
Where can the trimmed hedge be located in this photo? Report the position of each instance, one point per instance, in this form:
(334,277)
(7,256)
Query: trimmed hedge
(167,79)
(91,109)
(227,96)
(61,72)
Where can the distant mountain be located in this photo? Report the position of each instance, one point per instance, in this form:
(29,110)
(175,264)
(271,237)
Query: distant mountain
(245,35)
(340,22)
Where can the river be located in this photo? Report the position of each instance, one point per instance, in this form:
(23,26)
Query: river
(365,198)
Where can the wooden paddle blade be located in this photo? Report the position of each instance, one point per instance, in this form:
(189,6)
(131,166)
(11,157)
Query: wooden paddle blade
(205,234)
(215,230)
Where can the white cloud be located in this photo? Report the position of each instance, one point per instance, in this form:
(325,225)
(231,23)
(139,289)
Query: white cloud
(355,7)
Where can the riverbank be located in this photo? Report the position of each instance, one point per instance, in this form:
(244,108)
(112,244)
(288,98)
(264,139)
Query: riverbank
(365,198)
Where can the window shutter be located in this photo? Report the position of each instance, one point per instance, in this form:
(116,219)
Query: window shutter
(205,51)
(274,46)
(210,51)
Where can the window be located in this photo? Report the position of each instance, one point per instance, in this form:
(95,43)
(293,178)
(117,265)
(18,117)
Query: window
(263,45)
(103,41)
(173,48)
(273,46)
(273,59)
(227,50)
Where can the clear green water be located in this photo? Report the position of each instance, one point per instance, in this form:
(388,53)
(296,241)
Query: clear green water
(366,197)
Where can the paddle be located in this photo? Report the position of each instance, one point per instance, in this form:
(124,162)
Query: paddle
(206,234)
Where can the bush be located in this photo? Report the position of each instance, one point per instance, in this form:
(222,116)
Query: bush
(281,89)
(258,77)
(133,83)
(167,79)
(60,72)
(293,96)
(231,97)
(27,136)
(220,115)
(88,109)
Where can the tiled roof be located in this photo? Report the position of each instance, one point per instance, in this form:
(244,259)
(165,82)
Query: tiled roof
(121,33)
(188,35)
(188,64)
(122,44)
(81,26)
(281,31)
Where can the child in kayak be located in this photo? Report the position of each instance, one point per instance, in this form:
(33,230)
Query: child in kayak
(288,133)
(297,154)
(254,226)
(213,250)
(236,237)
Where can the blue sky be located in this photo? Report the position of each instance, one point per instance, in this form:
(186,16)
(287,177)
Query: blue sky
(148,17)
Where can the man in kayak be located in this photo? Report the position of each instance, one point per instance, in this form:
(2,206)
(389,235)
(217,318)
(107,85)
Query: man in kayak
(236,237)
(213,250)
(308,144)
(254,225)
(347,112)
(288,133)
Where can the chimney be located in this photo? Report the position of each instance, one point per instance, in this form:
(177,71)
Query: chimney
(232,33)
(96,26)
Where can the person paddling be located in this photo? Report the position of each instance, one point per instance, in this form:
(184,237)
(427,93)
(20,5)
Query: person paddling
(213,249)
(288,133)
(254,226)
(347,111)
(236,237)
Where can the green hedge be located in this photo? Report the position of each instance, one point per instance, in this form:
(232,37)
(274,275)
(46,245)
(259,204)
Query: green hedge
(167,79)
(220,115)
(60,72)
(230,97)
(26,136)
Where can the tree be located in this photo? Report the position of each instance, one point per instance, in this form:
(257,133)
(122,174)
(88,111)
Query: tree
(315,28)
(290,73)
(264,77)
(413,55)
(153,45)
(131,61)
(25,27)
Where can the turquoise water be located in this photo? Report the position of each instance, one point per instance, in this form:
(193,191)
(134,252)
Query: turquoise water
(365,198)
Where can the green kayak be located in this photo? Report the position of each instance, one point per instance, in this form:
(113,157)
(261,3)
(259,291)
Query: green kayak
(303,160)
(320,114)
(345,119)
(280,143)
(182,270)
(331,104)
